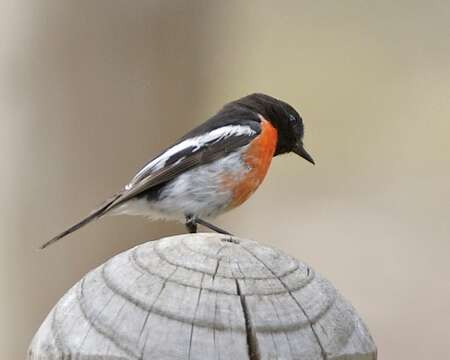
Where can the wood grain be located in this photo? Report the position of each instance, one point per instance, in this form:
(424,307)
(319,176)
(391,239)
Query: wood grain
(199,296)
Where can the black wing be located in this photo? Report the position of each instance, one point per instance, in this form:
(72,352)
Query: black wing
(230,115)
(185,158)
(204,155)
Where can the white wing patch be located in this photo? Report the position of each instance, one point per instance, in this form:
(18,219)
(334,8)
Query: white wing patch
(195,142)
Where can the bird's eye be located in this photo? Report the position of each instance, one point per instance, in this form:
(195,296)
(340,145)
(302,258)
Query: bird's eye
(292,118)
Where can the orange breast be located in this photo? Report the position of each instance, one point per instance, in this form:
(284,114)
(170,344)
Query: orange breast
(258,158)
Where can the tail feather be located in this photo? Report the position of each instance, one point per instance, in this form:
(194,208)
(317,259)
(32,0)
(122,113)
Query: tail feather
(102,210)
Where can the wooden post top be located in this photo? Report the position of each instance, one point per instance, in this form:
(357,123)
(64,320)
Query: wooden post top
(202,296)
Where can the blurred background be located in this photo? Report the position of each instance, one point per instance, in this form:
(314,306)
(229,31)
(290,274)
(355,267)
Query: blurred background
(90,90)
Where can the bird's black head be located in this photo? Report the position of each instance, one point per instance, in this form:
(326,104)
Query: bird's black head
(284,118)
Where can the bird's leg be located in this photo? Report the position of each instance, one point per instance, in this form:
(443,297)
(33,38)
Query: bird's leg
(212,227)
(192,221)
(191,224)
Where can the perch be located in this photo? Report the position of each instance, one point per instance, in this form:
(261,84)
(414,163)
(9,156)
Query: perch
(200,296)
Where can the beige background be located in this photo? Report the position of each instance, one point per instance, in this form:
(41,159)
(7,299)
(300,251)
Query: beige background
(89,90)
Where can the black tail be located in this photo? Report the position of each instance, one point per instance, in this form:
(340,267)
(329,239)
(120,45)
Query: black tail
(102,210)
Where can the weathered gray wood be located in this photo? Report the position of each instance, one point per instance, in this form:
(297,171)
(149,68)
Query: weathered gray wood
(199,297)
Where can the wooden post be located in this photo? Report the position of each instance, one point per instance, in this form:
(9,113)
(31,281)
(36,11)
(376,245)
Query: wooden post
(200,296)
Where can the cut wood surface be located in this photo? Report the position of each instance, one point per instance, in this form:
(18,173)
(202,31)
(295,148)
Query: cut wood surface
(200,296)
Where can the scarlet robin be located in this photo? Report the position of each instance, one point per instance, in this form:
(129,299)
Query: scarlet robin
(213,168)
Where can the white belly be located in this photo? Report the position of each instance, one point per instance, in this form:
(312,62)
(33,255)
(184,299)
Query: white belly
(198,192)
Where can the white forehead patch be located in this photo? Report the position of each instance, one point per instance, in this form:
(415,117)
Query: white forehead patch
(196,142)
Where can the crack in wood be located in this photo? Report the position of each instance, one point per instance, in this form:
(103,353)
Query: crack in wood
(252,341)
(316,336)
(195,315)
(216,269)
(280,321)
(149,312)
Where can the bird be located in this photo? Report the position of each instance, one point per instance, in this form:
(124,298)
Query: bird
(212,169)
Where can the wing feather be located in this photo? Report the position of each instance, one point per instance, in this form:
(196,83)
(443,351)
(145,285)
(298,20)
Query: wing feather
(222,134)
(204,155)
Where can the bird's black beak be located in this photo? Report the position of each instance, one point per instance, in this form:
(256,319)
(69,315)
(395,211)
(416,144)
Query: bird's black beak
(300,150)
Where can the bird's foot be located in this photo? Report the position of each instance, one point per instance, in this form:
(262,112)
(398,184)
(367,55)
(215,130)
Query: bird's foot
(212,227)
(191,224)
